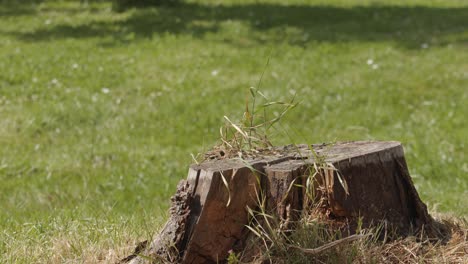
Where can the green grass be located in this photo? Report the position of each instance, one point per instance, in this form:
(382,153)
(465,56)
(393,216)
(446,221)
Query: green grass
(99,111)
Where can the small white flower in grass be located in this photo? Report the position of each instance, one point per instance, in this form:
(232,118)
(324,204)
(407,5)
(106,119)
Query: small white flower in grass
(370,61)
(48,22)
(105,90)
(37,147)
(375,66)
(155,94)
(54,81)
(424,46)
(34,80)
(75,66)
(214,72)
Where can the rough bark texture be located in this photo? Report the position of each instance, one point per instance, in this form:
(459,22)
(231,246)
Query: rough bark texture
(209,211)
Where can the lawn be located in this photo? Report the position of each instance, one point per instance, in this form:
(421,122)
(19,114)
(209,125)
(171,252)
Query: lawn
(100,110)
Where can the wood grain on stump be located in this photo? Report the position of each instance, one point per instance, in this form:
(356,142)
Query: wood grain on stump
(208,216)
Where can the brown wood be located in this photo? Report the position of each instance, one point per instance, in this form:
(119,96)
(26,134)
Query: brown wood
(209,211)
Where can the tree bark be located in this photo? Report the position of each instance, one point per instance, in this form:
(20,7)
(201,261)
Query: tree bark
(355,181)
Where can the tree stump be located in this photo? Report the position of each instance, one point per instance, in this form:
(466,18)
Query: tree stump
(361,180)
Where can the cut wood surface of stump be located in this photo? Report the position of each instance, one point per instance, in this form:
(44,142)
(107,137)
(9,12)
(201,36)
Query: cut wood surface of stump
(366,181)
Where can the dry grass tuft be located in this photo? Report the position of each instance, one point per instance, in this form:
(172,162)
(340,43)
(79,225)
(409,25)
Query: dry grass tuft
(315,242)
(249,137)
(414,250)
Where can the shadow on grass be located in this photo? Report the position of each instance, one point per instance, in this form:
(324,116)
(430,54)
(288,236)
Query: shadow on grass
(274,23)
(18,8)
